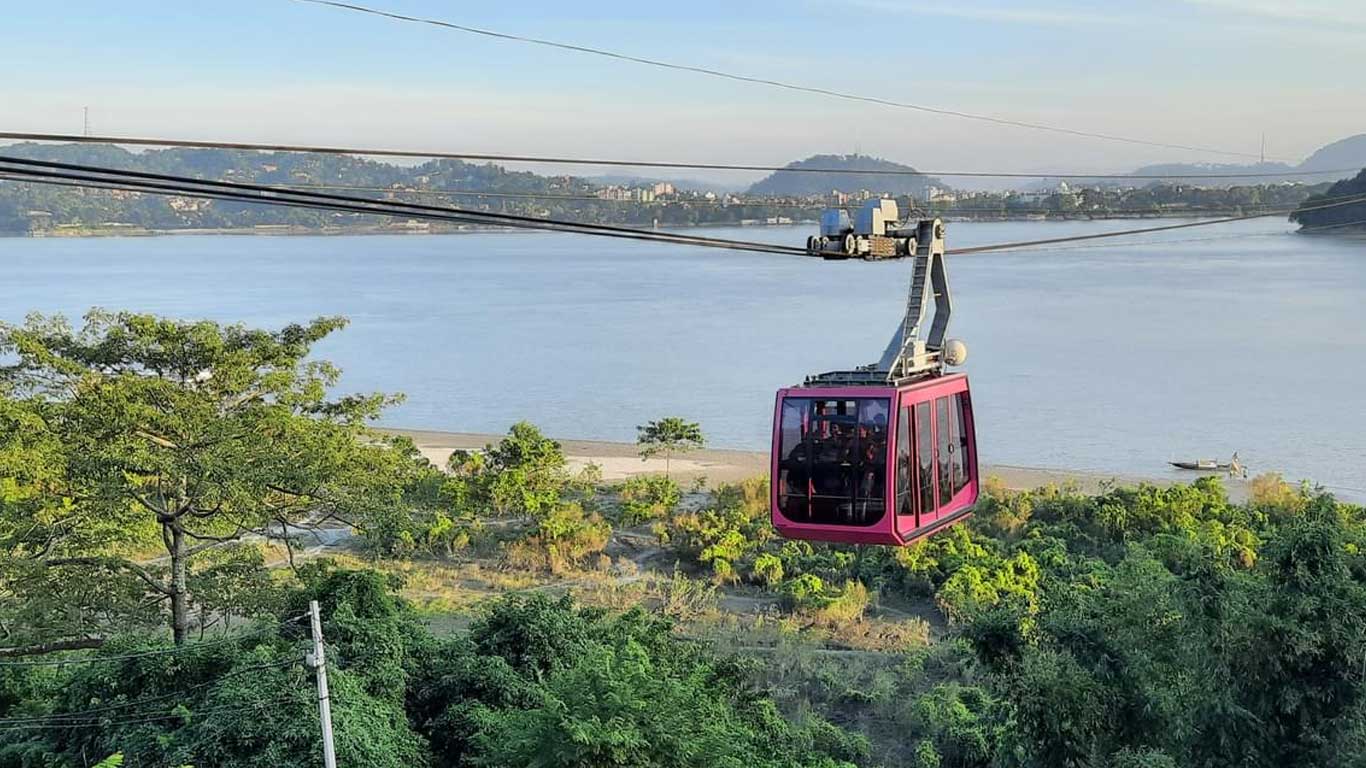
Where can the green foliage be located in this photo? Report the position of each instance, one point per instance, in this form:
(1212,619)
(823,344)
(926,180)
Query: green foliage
(524,474)
(535,681)
(647,497)
(972,588)
(725,534)
(768,568)
(1148,626)
(1173,628)
(140,432)
(623,699)
(561,539)
(667,437)
(963,724)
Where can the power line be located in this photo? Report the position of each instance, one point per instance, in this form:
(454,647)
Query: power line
(89,714)
(557,160)
(773,83)
(1143,230)
(179,185)
(147,718)
(146,654)
(165,184)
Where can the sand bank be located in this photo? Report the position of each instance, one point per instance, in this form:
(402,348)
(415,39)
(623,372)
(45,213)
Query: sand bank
(619,461)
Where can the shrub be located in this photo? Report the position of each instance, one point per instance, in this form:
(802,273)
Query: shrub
(561,540)
(524,474)
(768,568)
(1271,492)
(849,604)
(974,588)
(732,527)
(960,723)
(648,497)
(804,592)
(686,599)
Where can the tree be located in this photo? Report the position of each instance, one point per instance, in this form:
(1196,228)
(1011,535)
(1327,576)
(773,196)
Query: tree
(143,434)
(668,436)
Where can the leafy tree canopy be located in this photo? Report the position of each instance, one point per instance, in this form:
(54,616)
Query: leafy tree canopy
(139,450)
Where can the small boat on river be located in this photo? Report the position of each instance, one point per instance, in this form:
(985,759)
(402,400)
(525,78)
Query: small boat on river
(1232,466)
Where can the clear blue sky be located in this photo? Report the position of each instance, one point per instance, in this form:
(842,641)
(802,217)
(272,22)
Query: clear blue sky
(1209,72)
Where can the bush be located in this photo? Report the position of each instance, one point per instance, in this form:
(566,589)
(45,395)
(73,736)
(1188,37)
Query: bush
(648,497)
(961,722)
(1271,492)
(848,605)
(768,568)
(524,474)
(725,533)
(804,592)
(561,540)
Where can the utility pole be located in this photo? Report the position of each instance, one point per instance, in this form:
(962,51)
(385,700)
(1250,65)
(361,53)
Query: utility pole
(318,660)
(85,119)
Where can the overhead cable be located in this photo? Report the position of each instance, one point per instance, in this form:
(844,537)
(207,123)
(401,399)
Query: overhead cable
(145,654)
(173,185)
(773,83)
(557,160)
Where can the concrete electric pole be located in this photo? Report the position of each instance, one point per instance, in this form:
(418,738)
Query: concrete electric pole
(318,660)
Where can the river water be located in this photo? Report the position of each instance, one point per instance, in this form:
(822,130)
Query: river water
(1238,337)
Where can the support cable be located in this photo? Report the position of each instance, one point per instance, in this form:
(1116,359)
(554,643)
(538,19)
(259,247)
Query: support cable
(555,160)
(166,184)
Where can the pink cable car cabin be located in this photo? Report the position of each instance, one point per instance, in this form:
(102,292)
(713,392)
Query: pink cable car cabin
(886,453)
(873,465)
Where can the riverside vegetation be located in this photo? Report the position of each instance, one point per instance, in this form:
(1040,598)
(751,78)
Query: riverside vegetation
(509,610)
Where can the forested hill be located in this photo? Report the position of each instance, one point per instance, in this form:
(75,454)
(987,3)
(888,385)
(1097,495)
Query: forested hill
(26,208)
(1311,214)
(797,182)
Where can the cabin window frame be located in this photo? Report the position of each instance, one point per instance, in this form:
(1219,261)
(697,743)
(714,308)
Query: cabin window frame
(852,470)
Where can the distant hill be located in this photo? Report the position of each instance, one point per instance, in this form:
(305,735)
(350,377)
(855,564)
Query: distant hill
(1180,168)
(35,208)
(797,182)
(1348,154)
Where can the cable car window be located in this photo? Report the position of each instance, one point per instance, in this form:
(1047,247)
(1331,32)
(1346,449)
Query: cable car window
(872,446)
(944,449)
(793,472)
(924,451)
(904,503)
(833,460)
(959,445)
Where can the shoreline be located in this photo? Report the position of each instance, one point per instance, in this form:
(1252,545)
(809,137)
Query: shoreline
(620,461)
(285,230)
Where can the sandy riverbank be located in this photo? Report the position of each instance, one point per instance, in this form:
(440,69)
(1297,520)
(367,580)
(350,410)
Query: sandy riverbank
(620,461)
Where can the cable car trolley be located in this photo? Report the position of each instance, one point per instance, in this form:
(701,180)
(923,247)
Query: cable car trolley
(884,453)
(875,232)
